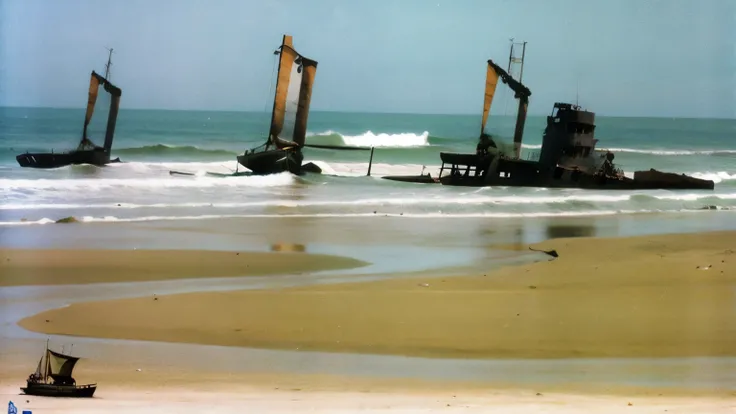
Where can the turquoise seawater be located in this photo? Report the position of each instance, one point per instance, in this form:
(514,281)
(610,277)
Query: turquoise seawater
(152,142)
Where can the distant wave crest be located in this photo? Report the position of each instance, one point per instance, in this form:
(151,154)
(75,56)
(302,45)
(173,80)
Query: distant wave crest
(370,139)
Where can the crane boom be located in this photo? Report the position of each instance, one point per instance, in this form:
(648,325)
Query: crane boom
(522,93)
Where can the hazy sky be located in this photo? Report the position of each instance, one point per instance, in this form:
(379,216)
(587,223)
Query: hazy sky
(627,57)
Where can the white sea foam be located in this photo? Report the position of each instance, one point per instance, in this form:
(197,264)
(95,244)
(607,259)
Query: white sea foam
(370,139)
(717,177)
(146,182)
(378,215)
(110,219)
(437,200)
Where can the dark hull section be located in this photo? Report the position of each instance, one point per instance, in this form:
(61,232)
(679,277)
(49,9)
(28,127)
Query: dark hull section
(51,160)
(658,179)
(584,181)
(50,390)
(470,170)
(273,161)
(422,179)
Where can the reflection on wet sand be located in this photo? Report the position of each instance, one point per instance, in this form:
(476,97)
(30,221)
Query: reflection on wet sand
(559,231)
(288,247)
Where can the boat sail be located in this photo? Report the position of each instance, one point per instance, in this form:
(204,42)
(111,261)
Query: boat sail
(491,83)
(522,93)
(58,367)
(288,130)
(87,152)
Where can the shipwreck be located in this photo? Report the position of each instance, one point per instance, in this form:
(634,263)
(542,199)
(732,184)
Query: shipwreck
(87,152)
(568,157)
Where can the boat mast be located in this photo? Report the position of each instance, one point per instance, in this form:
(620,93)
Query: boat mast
(516,59)
(46,366)
(109,63)
(278,71)
(523,99)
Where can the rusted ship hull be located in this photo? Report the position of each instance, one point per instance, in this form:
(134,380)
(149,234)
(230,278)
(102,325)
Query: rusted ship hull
(471,170)
(585,182)
(659,179)
(590,183)
(56,160)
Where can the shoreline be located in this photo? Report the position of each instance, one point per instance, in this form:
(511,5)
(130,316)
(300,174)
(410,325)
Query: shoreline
(588,303)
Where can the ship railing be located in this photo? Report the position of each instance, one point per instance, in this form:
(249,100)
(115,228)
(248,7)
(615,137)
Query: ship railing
(533,156)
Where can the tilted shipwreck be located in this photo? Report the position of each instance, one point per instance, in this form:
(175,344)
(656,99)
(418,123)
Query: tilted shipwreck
(282,151)
(87,152)
(568,157)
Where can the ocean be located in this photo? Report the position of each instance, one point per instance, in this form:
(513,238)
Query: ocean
(151,143)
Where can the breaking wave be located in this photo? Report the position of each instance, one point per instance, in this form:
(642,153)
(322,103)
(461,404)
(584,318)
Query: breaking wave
(370,139)
(500,200)
(428,215)
(60,186)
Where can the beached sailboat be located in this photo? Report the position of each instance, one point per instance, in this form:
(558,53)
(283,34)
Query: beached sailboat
(283,148)
(57,368)
(87,152)
(568,157)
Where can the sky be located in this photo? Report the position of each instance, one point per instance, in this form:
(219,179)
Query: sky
(670,58)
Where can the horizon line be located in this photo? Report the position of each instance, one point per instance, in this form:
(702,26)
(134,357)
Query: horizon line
(361,112)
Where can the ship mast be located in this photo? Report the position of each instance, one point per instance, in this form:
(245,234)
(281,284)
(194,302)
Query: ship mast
(46,366)
(516,59)
(109,63)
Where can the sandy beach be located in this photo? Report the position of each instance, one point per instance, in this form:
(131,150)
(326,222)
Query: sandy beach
(73,266)
(652,296)
(645,296)
(240,399)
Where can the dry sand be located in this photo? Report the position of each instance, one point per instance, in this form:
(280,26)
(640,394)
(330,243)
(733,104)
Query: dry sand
(668,295)
(241,399)
(52,267)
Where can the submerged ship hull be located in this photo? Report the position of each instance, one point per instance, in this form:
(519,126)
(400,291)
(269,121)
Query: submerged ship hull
(586,182)
(273,161)
(51,390)
(56,160)
(471,170)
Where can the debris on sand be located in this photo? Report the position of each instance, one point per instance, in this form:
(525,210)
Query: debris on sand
(552,253)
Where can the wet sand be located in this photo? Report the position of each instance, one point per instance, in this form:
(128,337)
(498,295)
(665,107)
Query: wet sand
(651,296)
(75,266)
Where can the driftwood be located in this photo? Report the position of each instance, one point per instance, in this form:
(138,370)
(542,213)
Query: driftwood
(552,253)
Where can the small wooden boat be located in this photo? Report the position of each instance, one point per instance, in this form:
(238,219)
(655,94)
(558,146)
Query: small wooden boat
(55,378)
